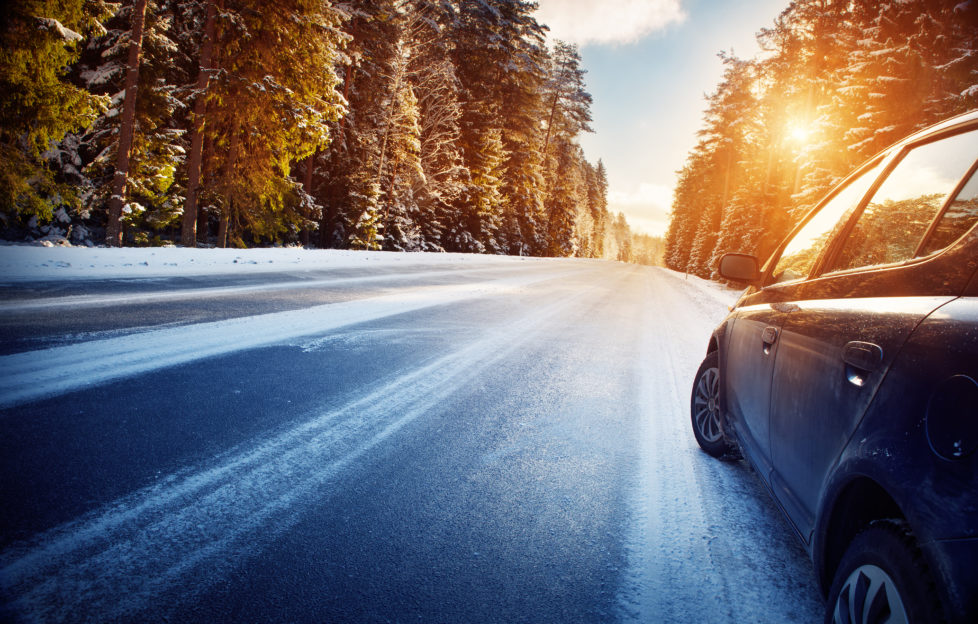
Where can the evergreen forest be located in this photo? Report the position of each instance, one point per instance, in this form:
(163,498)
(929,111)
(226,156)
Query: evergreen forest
(410,125)
(837,81)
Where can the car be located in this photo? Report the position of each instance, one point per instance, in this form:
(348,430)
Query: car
(845,374)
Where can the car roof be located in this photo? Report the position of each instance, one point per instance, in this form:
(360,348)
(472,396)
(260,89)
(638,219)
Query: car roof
(964,118)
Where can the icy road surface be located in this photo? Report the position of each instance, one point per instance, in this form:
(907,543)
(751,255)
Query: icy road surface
(369,438)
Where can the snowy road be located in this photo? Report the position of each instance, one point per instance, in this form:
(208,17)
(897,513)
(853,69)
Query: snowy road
(487,440)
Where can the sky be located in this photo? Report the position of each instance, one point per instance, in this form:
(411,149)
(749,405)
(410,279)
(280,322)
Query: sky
(650,64)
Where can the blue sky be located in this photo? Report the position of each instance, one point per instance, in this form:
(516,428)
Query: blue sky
(650,64)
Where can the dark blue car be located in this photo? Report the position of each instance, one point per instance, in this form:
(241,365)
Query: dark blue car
(846,375)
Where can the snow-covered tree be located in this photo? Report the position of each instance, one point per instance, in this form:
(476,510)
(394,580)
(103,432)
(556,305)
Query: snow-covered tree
(839,81)
(268,106)
(40,41)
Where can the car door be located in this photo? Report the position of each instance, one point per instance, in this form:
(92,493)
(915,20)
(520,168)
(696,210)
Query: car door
(752,339)
(751,348)
(874,287)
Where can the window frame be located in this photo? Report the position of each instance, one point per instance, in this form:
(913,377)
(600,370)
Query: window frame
(869,165)
(962,183)
(835,246)
(889,158)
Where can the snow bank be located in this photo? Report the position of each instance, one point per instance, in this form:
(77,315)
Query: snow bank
(719,292)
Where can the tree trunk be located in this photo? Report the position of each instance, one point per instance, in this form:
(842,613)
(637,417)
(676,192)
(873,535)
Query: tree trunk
(229,166)
(188,234)
(395,92)
(113,234)
(222,230)
(390,193)
(550,123)
(553,107)
(346,96)
(307,187)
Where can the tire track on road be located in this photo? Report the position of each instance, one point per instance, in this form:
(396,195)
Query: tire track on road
(708,544)
(74,302)
(51,372)
(110,564)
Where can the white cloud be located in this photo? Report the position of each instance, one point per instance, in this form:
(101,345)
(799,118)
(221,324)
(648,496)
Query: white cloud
(646,207)
(607,21)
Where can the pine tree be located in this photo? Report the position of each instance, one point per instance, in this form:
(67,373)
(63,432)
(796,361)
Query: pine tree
(269,106)
(621,236)
(152,196)
(401,124)
(420,129)
(113,231)
(568,99)
(40,42)
(479,230)
(685,215)
(436,85)
(568,116)
(566,196)
(501,62)
(405,173)
(597,182)
(365,231)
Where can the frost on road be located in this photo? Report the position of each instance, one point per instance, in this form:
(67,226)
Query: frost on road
(446,439)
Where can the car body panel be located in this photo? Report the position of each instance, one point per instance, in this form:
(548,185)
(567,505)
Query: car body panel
(747,382)
(817,398)
(892,447)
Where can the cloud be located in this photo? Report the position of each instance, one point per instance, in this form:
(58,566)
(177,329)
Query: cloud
(607,21)
(646,208)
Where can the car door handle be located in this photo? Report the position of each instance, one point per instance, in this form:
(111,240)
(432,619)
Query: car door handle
(861,358)
(865,356)
(769,336)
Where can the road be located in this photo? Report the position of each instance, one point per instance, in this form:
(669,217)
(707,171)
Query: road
(477,442)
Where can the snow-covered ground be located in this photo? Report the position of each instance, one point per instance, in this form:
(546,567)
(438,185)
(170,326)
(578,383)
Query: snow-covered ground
(24,263)
(532,414)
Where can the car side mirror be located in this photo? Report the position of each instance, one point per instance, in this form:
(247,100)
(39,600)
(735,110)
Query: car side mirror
(738,267)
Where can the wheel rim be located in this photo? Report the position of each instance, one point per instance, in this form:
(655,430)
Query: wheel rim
(869,596)
(706,405)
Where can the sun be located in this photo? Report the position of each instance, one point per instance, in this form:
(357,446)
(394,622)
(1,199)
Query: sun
(798,131)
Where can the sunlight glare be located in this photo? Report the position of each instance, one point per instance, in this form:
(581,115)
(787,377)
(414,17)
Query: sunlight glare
(798,132)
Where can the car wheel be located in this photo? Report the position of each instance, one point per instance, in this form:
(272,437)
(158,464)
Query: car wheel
(705,407)
(882,578)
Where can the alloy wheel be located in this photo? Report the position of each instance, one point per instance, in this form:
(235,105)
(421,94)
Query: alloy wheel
(706,405)
(869,596)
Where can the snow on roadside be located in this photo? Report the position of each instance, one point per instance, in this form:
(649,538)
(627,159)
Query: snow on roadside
(24,263)
(719,292)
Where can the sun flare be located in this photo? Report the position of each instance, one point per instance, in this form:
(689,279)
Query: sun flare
(798,131)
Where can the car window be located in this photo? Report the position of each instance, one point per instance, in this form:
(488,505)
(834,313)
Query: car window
(800,253)
(959,217)
(900,212)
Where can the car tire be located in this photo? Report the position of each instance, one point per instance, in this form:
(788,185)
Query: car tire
(883,572)
(705,408)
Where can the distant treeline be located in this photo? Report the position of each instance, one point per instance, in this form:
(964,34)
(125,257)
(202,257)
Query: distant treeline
(838,81)
(379,124)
